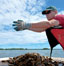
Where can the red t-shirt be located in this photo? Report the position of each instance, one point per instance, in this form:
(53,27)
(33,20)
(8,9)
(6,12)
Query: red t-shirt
(60,18)
(59,34)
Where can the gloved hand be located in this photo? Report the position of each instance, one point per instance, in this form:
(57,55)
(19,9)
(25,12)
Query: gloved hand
(19,25)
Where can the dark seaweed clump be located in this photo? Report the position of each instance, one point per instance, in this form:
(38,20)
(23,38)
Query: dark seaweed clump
(33,59)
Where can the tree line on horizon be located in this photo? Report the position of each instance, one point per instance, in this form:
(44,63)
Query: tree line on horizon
(22,49)
(25,49)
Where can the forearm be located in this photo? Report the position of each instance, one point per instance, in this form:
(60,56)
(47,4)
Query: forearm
(39,27)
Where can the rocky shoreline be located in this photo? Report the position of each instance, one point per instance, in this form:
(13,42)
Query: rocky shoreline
(33,59)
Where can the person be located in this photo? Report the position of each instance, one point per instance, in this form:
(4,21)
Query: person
(53,20)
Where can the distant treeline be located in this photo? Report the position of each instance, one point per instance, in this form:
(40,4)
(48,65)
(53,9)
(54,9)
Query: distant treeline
(24,49)
(12,49)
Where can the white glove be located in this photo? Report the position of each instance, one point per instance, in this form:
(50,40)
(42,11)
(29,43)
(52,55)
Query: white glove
(21,25)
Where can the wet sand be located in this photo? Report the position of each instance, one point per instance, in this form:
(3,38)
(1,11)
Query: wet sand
(58,59)
(4,63)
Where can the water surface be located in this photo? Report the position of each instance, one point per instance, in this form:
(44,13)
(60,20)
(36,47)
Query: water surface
(14,53)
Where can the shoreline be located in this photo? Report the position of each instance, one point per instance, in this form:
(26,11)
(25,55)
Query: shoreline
(7,58)
(54,58)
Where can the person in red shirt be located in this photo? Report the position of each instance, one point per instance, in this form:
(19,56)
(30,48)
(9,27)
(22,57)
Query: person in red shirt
(51,15)
(60,18)
(53,20)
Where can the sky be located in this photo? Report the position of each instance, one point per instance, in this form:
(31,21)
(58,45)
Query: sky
(30,12)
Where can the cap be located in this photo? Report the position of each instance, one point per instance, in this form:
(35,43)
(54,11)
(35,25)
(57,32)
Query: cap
(50,8)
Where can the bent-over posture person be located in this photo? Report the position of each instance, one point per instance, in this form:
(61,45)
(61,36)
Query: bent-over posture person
(51,15)
(53,20)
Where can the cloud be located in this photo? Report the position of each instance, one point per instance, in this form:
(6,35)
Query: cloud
(29,11)
(23,37)
(34,6)
(61,12)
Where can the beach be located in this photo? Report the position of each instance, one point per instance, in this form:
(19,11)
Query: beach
(7,58)
(6,54)
(4,63)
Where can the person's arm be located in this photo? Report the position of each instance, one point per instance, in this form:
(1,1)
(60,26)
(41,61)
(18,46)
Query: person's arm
(37,27)
(42,26)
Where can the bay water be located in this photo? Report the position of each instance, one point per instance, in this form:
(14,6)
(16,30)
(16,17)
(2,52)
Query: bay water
(14,53)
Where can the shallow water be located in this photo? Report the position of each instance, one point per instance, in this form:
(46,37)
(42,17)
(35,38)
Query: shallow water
(13,53)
